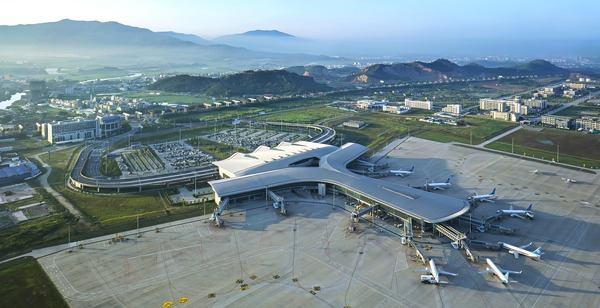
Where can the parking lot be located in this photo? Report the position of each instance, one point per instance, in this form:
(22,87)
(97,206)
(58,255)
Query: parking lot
(251,138)
(179,155)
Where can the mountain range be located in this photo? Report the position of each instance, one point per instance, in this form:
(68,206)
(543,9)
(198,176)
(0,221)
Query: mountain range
(244,83)
(112,43)
(443,69)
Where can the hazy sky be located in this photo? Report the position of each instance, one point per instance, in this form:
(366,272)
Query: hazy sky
(330,19)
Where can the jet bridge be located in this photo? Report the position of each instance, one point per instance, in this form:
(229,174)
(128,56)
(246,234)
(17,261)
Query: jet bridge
(277,202)
(356,214)
(458,239)
(484,225)
(218,211)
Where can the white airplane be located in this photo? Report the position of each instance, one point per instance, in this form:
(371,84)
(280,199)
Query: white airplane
(438,186)
(486,197)
(516,251)
(403,173)
(434,277)
(534,171)
(569,180)
(527,213)
(499,272)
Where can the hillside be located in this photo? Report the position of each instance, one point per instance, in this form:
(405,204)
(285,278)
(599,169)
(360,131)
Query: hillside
(80,43)
(443,69)
(245,83)
(323,74)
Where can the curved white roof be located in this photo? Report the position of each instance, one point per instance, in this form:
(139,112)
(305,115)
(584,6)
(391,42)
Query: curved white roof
(429,207)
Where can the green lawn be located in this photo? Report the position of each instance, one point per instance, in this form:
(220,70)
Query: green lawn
(25,284)
(577,111)
(308,115)
(479,128)
(59,160)
(382,128)
(575,148)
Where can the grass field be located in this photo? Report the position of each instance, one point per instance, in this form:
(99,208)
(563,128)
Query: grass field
(25,284)
(575,148)
(60,161)
(309,115)
(382,128)
(577,111)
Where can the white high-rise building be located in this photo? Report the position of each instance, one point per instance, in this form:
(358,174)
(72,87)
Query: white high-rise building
(455,109)
(418,104)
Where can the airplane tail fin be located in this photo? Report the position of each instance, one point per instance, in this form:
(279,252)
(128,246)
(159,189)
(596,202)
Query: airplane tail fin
(539,251)
(530,206)
(493,191)
(511,207)
(412,168)
(448,180)
(506,275)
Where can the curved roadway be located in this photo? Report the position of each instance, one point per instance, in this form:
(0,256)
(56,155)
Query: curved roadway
(78,180)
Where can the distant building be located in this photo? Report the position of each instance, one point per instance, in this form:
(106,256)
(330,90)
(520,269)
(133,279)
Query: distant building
(587,123)
(354,124)
(536,103)
(7,130)
(576,85)
(396,109)
(557,121)
(500,115)
(37,91)
(428,105)
(81,129)
(494,104)
(72,131)
(455,109)
(569,93)
(109,125)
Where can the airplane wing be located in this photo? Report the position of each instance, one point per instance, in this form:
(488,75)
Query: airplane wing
(509,271)
(441,272)
(517,216)
(488,200)
(442,282)
(526,246)
(514,253)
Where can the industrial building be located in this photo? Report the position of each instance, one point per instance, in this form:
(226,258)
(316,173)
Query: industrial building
(323,169)
(428,105)
(12,173)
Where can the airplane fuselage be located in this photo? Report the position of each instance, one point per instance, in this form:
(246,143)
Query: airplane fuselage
(496,271)
(515,251)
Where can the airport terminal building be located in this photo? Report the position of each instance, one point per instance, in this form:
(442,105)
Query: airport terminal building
(323,168)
